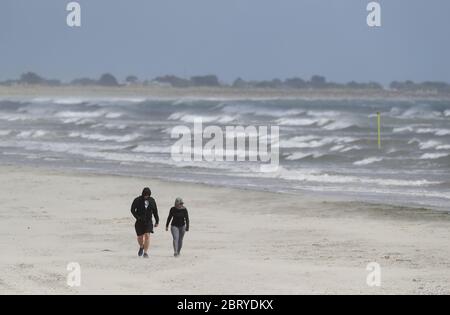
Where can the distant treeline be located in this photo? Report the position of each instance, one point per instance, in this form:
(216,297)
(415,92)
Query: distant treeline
(316,82)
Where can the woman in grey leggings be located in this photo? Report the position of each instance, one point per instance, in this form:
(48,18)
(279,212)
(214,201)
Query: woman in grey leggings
(180,224)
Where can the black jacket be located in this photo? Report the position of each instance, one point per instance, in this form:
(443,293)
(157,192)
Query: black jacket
(144,215)
(179,218)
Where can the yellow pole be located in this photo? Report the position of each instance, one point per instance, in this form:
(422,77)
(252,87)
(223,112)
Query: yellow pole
(379,130)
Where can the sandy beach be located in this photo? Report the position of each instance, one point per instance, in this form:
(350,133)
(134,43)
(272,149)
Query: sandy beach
(241,242)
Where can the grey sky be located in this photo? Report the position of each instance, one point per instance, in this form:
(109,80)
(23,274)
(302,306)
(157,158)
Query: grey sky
(254,39)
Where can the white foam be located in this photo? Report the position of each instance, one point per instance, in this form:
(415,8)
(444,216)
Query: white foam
(368,161)
(294,143)
(351,148)
(78,121)
(80,115)
(302,121)
(258,111)
(431,144)
(433,156)
(311,176)
(447,113)
(68,101)
(327,114)
(110,126)
(419,112)
(151,149)
(338,147)
(339,125)
(4,133)
(407,129)
(443,147)
(300,155)
(188,118)
(16,117)
(113,115)
(32,134)
(96,100)
(304,142)
(437,132)
(101,137)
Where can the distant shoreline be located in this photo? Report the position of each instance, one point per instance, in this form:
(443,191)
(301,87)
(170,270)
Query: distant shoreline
(218,93)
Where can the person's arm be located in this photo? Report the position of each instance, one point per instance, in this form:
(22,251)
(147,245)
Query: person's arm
(155,213)
(187,220)
(134,210)
(169,218)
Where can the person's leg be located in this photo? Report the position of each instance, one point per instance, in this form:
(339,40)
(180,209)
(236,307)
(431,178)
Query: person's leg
(146,242)
(176,235)
(182,231)
(140,240)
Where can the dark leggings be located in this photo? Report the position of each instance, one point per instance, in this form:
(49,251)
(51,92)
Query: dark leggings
(178,235)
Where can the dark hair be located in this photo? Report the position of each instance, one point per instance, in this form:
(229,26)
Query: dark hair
(146,192)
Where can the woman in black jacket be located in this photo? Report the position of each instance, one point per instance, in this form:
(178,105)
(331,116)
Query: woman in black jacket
(180,224)
(143,209)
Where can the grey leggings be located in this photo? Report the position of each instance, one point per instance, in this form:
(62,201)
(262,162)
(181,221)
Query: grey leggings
(178,235)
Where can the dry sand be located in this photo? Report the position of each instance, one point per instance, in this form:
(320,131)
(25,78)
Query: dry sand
(241,242)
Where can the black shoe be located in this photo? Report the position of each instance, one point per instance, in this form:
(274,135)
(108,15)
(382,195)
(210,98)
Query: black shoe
(141,252)
(146,256)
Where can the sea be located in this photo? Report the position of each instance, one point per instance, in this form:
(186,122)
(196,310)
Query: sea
(327,147)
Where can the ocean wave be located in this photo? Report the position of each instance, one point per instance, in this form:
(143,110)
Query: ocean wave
(443,147)
(417,112)
(80,115)
(4,133)
(68,101)
(300,156)
(16,117)
(151,149)
(338,147)
(32,134)
(113,115)
(437,132)
(303,122)
(101,137)
(110,126)
(327,114)
(189,118)
(79,121)
(433,156)
(430,144)
(85,100)
(407,129)
(258,111)
(324,178)
(57,101)
(368,161)
(339,125)
(88,114)
(351,148)
(304,142)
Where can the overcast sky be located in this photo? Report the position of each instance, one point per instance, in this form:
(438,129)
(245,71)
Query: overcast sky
(253,39)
